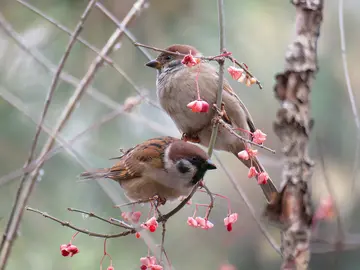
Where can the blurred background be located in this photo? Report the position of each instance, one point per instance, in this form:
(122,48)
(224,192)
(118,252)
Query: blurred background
(257,32)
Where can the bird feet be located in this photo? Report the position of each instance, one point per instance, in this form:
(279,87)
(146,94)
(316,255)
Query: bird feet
(159,201)
(190,138)
(222,113)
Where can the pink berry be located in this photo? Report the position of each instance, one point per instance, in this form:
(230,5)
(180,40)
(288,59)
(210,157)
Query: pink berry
(152,228)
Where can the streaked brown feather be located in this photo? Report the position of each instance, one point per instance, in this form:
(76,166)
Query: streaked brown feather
(135,161)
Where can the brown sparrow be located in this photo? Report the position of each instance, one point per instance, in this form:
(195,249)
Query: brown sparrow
(176,88)
(163,167)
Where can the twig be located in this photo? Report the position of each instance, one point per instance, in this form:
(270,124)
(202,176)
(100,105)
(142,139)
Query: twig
(23,198)
(46,64)
(206,58)
(162,240)
(211,204)
(126,31)
(63,28)
(218,58)
(232,131)
(215,128)
(84,231)
(351,98)
(340,227)
(248,204)
(136,202)
(94,49)
(108,117)
(82,162)
(245,68)
(92,214)
(10,231)
(165,217)
(9,97)
(218,102)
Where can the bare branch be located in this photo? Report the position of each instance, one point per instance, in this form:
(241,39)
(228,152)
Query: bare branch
(340,227)
(108,117)
(232,131)
(248,204)
(84,231)
(24,196)
(8,237)
(91,47)
(45,63)
(351,97)
(126,31)
(93,215)
(218,58)
(215,128)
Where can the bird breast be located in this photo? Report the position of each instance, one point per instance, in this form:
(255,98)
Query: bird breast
(178,86)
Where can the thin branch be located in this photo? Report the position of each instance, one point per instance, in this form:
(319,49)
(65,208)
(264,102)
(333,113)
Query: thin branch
(8,236)
(91,47)
(351,97)
(218,58)
(23,198)
(232,131)
(340,227)
(164,218)
(245,68)
(248,204)
(46,64)
(126,31)
(211,204)
(162,249)
(18,104)
(108,117)
(215,128)
(63,28)
(93,215)
(84,231)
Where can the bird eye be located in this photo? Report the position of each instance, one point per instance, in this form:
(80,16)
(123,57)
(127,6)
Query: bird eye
(183,167)
(168,57)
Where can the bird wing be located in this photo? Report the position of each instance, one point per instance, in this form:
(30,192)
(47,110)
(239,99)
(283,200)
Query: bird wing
(227,88)
(231,107)
(147,154)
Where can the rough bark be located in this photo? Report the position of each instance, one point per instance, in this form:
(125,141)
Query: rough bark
(292,208)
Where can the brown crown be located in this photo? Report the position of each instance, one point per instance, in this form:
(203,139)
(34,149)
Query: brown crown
(180,149)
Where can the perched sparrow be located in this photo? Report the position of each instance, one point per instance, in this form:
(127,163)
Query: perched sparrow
(176,88)
(165,167)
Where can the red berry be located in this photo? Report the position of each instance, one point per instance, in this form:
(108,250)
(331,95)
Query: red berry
(110,268)
(143,267)
(137,235)
(152,228)
(64,250)
(229,227)
(73,250)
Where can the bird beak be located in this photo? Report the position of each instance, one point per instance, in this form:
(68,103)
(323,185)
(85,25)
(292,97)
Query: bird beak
(210,165)
(154,64)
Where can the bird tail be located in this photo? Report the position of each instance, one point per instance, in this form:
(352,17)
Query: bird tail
(100,173)
(269,189)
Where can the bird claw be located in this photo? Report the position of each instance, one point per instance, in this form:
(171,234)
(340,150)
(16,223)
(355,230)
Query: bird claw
(222,113)
(159,201)
(190,138)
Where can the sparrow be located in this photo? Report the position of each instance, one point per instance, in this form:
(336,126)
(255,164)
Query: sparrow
(176,87)
(163,167)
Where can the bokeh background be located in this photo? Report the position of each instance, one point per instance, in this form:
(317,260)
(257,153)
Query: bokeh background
(257,32)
